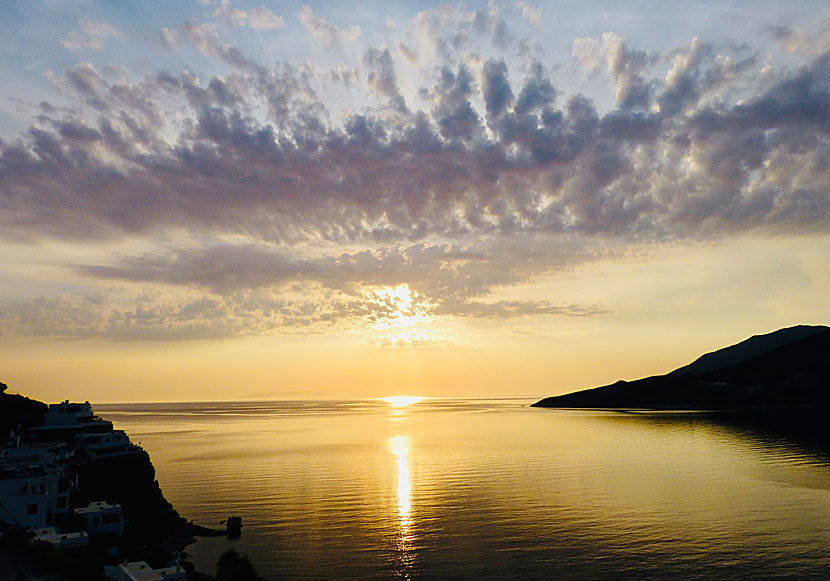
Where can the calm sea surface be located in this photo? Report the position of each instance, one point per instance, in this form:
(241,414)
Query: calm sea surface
(489,489)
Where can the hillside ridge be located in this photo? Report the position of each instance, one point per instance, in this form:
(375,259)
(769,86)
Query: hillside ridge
(788,368)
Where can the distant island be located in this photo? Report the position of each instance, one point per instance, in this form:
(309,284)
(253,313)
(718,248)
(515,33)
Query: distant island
(786,369)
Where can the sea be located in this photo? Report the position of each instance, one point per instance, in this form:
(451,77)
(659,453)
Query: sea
(491,489)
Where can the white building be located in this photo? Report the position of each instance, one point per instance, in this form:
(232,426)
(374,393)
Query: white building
(65,413)
(49,453)
(141,571)
(115,443)
(46,458)
(62,421)
(62,540)
(102,518)
(24,497)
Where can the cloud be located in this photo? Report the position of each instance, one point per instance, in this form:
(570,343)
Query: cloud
(241,290)
(538,91)
(260,18)
(324,30)
(207,39)
(343,74)
(515,309)
(257,18)
(408,53)
(800,41)
(495,87)
(450,32)
(74,317)
(203,35)
(89,34)
(258,153)
(282,211)
(530,12)
(410,339)
(381,76)
(453,110)
(437,272)
(487,175)
(626,65)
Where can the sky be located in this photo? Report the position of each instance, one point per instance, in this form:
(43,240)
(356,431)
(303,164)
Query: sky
(223,199)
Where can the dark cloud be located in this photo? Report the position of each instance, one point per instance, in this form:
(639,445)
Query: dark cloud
(439,273)
(256,153)
(91,86)
(801,101)
(452,110)
(537,92)
(496,87)
(381,77)
(627,67)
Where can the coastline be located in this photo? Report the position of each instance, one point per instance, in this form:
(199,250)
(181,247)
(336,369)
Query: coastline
(71,465)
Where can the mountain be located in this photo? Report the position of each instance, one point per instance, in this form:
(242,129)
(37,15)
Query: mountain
(788,368)
(747,349)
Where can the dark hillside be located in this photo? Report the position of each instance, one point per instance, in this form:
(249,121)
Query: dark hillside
(748,349)
(786,369)
(16,410)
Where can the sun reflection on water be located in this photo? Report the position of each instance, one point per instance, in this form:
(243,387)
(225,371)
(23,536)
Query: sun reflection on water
(400,401)
(399,446)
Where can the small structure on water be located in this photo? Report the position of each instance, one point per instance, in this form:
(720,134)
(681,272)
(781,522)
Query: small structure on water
(234,527)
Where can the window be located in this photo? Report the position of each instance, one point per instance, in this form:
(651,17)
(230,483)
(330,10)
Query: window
(31,509)
(61,502)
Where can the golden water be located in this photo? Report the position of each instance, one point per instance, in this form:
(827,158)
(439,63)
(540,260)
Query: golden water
(489,489)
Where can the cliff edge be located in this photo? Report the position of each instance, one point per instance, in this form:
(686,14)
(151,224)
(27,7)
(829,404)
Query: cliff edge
(76,495)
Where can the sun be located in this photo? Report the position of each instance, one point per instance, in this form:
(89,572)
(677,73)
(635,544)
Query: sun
(400,401)
(400,316)
(401,305)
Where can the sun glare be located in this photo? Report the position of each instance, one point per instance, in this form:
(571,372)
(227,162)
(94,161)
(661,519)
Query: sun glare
(401,317)
(400,401)
(402,307)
